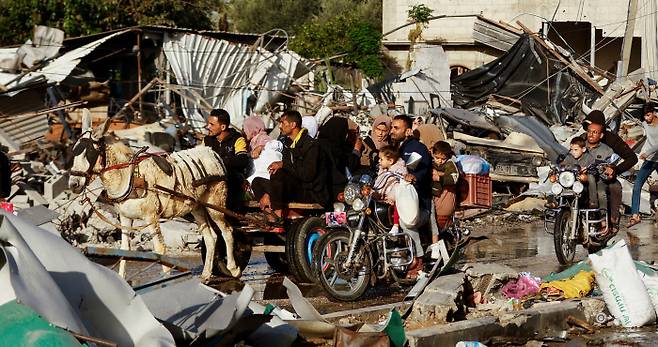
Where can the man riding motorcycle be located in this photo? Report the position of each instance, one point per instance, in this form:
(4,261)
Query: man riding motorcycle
(421,178)
(597,133)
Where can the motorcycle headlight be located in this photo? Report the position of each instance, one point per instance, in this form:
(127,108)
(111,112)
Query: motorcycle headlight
(351,192)
(567,179)
(556,189)
(358,204)
(578,187)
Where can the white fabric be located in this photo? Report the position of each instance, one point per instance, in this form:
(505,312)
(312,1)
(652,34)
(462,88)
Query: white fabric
(650,147)
(406,202)
(311,125)
(271,153)
(623,291)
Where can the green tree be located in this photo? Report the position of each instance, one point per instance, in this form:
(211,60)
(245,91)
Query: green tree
(346,29)
(259,16)
(84,17)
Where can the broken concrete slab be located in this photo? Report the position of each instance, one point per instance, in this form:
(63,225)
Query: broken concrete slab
(536,322)
(178,234)
(441,300)
(485,278)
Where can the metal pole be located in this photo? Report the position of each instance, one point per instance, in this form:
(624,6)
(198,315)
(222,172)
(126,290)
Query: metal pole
(628,37)
(139,71)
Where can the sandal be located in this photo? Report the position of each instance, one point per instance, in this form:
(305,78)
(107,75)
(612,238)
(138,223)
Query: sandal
(634,220)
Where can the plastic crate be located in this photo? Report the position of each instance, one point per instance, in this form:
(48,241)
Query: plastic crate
(475,191)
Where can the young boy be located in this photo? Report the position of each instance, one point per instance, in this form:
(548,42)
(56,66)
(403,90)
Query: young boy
(389,161)
(444,183)
(583,159)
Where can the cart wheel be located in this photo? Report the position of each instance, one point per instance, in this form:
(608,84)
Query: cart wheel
(300,246)
(241,252)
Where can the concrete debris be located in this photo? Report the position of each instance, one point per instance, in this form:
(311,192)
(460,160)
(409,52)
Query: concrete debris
(442,300)
(487,278)
(529,204)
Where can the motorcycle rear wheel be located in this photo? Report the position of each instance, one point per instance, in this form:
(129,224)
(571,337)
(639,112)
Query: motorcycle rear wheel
(344,284)
(565,249)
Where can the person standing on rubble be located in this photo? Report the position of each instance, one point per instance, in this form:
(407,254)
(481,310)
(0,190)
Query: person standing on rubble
(420,176)
(232,148)
(597,132)
(649,154)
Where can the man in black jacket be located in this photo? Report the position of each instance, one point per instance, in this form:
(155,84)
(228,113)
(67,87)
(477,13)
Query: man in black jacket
(420,176)
(232,148)
(302,174)
(599,133)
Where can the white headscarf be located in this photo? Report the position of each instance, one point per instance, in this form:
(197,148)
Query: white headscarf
(311,125)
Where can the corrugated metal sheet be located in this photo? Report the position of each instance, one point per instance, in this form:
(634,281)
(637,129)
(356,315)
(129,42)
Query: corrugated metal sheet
(17,130)
(226,75)
(58,69)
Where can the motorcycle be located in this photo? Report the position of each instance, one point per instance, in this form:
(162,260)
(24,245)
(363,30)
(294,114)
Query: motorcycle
(358,249)
(573,223)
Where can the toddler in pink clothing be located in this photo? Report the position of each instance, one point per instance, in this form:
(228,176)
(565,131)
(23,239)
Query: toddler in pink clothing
(389,161)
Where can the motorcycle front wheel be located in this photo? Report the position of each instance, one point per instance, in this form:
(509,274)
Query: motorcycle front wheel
(565,249)
(341,282)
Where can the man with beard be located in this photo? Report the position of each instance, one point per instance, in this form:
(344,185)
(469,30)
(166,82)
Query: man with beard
(420,176)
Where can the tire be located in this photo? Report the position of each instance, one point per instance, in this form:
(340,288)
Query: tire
(301,243)
(565,249)
(276,260)
(241,252)
(331,249)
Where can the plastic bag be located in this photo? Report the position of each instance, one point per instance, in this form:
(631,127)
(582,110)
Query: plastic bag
(406,202)
(623,291)
(473,164)
(525,285)
(577,286)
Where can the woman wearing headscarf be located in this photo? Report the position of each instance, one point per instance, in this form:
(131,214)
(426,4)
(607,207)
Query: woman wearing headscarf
(254,131)
(311,125)
(262,149)
(378,138)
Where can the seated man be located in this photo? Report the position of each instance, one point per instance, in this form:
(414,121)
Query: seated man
(302,174)
(232,148)
(420,176)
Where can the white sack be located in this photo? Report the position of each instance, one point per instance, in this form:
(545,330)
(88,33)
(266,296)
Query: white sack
(406,202)
(623,291)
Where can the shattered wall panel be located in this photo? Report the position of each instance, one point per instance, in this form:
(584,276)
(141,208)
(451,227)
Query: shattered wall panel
(226,75)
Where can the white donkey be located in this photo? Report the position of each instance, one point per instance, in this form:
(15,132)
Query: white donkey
(130,179)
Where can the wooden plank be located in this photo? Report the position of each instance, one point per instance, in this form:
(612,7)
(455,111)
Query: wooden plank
(491,42)
(496,32)
(292,205)
(573,67)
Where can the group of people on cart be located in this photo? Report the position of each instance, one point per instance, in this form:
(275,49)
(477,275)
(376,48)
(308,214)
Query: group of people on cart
(310,163)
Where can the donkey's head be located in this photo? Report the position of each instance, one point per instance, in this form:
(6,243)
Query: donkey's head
(88,153)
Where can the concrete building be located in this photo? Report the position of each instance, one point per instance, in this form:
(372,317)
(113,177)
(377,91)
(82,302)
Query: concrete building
(584,26)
